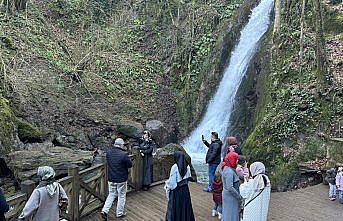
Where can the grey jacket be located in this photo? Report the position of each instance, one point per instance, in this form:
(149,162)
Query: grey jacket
(42,207)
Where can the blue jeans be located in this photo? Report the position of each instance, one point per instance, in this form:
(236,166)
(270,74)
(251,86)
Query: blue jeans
(340,194)
(332,190)
(217,207)
(211,171)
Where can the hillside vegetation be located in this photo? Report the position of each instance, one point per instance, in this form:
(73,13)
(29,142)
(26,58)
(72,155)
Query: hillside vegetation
(300,105)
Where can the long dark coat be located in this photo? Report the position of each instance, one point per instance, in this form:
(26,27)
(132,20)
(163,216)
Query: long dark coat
(147,147)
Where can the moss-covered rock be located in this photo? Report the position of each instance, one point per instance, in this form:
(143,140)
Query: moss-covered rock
(7,127)
(28,133)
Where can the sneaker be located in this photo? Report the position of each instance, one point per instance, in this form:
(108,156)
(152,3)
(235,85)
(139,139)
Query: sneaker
(121,216)
(214,213)
(207,190)
(219,216)
(104,216)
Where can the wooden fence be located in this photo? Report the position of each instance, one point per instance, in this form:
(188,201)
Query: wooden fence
(86,190)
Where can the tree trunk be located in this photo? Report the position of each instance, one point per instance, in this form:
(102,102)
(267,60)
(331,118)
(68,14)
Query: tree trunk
(12,5)
(302,21)
(277,24)
(320,40)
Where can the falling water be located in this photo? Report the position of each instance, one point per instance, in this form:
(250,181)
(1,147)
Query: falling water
(220,107)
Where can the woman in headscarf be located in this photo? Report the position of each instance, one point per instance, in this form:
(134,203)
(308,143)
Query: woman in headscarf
(179,198)
(233,146)
(46,200)
(256,194)
(146,148)
(230,195)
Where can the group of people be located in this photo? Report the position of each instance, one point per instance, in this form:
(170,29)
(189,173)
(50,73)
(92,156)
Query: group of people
(49,199)
(335,180)
(238,194)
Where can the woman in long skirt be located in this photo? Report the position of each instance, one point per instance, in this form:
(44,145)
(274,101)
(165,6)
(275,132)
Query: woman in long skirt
(179,198)
(230,195)
(146,148)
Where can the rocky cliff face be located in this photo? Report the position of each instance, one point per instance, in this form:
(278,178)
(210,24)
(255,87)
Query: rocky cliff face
(286,114)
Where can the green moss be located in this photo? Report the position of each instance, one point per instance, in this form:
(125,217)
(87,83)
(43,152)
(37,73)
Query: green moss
(291,109)
(7,126)
(27,132)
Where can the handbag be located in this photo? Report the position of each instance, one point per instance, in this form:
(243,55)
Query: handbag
(62,203)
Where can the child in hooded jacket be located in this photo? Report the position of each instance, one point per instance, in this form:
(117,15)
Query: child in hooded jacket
(217,189)
(331,176)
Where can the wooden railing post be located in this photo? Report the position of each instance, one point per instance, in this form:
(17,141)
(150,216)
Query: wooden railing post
(104,180)
(137,170)
(73,171)
(27,187)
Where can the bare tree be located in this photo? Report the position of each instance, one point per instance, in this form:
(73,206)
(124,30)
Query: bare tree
(320,40)
(302,22)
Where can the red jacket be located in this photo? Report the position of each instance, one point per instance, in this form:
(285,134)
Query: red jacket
(217,189)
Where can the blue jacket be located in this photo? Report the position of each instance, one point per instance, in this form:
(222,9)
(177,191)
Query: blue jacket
(118,162)
(4,207)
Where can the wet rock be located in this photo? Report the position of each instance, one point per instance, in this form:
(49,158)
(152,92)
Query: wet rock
(159,132)
(24,164)
(164,160)
(130,128)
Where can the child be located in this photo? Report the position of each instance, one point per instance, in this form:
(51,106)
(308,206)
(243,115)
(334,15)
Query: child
(242,168)
(217,189)
(339,183)
(331,175)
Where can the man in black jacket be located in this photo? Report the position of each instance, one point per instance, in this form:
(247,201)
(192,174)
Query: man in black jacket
(213,157)
(118,162)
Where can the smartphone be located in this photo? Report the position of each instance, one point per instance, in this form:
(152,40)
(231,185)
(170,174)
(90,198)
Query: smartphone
(202,137)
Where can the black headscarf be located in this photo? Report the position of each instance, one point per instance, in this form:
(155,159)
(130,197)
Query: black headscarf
(180,160)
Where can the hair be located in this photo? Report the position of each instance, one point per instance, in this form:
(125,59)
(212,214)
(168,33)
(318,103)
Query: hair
(242,160)
(231,140)
(215,134)
(147,132)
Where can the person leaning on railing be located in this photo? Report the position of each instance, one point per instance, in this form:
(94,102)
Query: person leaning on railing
(4,207)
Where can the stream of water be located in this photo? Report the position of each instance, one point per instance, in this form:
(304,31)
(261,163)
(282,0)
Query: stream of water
(220,107)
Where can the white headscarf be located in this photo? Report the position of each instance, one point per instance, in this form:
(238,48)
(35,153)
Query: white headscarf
(47,175)
(258,170)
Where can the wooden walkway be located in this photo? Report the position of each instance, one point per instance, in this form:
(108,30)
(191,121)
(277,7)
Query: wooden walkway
(310,204)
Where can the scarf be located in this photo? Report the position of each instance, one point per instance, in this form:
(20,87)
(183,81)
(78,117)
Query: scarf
(47,179)
(258,170)
(230,160)
(180,160)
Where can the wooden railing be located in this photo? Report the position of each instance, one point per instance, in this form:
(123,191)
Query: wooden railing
(86,190)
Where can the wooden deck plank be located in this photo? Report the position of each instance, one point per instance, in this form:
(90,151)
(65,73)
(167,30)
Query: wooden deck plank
(152,205)
(300,205)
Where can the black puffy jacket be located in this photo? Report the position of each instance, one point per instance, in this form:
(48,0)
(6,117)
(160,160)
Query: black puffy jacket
(214,151)
(118,164)
(4,207)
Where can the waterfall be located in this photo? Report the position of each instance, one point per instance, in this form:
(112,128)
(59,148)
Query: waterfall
(219,109)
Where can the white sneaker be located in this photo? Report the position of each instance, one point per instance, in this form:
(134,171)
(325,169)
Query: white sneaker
(219,216)
(214,213)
